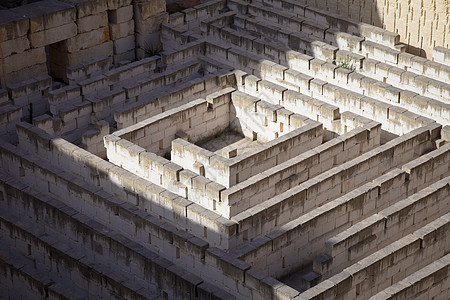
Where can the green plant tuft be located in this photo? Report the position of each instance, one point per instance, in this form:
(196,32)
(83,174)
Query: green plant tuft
(152,50)
(167,155)
(218,134)
(346,64)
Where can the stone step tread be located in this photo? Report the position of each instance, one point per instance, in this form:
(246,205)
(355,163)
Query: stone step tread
(61,244)
(37,271)
(415,279)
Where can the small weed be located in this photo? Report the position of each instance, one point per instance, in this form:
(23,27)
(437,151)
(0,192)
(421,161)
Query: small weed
(346,64)
(218,134)
(152,50)
(167,155)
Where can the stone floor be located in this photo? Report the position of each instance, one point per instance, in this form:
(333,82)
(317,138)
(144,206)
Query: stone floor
(230,139)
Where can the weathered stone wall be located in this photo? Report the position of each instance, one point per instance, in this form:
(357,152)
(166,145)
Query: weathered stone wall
(318,227)
(420,24)
(333,183)
(61,38)
(134,189)
(351,159)
(405,256)
(291,173)
(108,205)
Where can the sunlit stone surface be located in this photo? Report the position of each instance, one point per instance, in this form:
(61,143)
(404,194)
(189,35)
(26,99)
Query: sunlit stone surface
(227,150)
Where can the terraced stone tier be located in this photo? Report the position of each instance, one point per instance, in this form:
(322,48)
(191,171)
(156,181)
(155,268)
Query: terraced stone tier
(268,150)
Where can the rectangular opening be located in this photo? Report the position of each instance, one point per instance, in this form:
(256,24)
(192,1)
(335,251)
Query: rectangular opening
(178,252)
(255,136)
(266,122)
(281,126)
(214,204)
(149,238)
(1,196)
(205,231)
(160,144)
(29,249)
(21,172)
(345,128)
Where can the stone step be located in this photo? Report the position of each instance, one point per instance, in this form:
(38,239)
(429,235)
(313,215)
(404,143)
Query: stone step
(337,181)
(48,249)
(335,21)
(309,280)
(291,173)
(153,101)
(345,82)
(437,89)
(387,226)
(21,263)
(389,265)
(138,196)
(77,225)
(39,284)
(302,240)
(110,204)
(425,282)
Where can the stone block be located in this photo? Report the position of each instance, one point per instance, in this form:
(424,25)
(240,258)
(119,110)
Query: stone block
(145,10)
(445,133)
(124,44)
(152,24)
(115,4)
(14,46)
(309,280)
(47,15)
(121,30)
(86,8)
(124,58)
(147,41)
(84,40)
(28,58)
(120,15)
(92,22)
(52,35)
(12,25)
(72,59)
